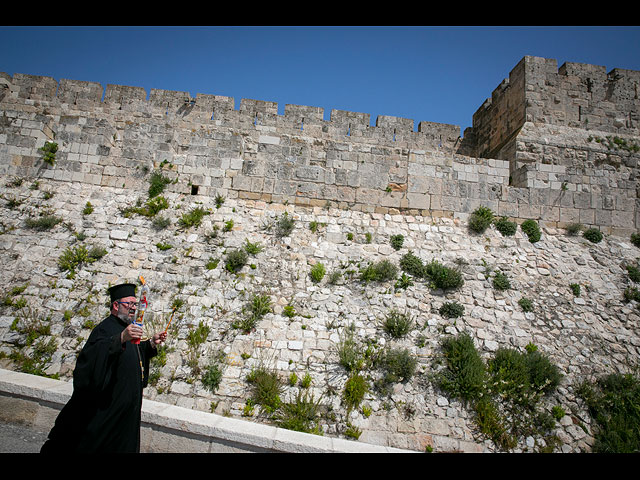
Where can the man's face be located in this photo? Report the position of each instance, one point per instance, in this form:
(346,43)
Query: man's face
(127,309)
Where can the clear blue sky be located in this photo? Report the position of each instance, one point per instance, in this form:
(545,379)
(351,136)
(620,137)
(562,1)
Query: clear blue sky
(435,74)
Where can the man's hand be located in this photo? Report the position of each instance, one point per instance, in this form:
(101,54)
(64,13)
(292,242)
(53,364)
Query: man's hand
(158,338)
(132,332)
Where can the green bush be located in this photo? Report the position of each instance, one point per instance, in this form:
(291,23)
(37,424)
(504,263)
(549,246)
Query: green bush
(301,415)
(284,225)
(49,150)
(354,391)
(160,223)
(501,281)
(575,288)
(252,248)
(574,229)
(351,355)
(157,184)
(317,272)
(236,259)
(612,401)
(526,304)
(397,241)
(413,265)
(403,282)
(211,377)
(75,257)
(532,230)
(593,235)
(634,273)
(451,310)
(398,365)
(465,373)
(504,393)
(397,324)
(635,239)
(193,218)
(443,277)
(506,227)
(267,389)
(381,271)
(41,224)
(480,219)
(631,293)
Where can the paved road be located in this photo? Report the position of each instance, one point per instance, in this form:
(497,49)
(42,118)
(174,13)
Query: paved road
(16,438)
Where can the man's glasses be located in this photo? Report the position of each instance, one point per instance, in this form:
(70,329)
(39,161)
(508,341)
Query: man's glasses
(129,304)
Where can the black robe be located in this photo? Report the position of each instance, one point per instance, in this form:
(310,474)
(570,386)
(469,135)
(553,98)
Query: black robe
(103,413)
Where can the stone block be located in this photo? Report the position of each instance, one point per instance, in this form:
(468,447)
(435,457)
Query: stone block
(569,215)
(419,200)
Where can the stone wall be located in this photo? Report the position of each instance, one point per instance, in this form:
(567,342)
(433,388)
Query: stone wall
(360,184)
(545,165)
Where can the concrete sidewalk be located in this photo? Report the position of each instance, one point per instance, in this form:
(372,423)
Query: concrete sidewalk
(30,404)
(19,438)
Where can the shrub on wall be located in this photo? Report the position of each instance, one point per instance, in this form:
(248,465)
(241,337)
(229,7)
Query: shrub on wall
(532,230)
(593,235)
(480,219)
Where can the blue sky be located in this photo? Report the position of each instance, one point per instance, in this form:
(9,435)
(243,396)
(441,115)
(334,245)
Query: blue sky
(436,74)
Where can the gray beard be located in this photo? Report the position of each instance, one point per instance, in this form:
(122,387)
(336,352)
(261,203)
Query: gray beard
(124,317)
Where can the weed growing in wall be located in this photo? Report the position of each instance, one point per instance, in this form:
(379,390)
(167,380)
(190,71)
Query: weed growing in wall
(593,235)
(74,258)
(43,223)
(212,374)
(505,393)
(266,389)
(317,272)
(573,229)
(532,230)
(284,225)
(397,324)
(501,281)
(235,260)
(300,415)
(258,307)
(451,310)
(193,218)
(506,227)
(480,219)
(442,277)
(612,401)
(157,183)
(526,304)
(381,271)
(35,349)
(49,153)
(397,241)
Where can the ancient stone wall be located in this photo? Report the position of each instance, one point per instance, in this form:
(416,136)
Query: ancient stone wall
(543,163)
(357,185)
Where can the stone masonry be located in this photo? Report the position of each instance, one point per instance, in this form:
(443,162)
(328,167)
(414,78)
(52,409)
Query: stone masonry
(555,145)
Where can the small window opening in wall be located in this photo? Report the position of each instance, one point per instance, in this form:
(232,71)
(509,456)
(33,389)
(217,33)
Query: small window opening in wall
(394,134)
(302,124)
(255,119)
(213,114)
(349,130)
(194,189)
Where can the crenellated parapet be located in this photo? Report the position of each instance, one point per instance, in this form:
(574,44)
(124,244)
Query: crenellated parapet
(219,110)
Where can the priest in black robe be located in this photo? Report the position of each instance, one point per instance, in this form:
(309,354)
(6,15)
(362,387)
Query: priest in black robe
(103,413)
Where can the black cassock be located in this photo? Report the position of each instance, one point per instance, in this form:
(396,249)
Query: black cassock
(103,414)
